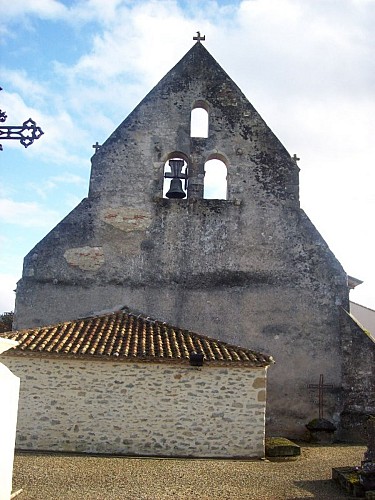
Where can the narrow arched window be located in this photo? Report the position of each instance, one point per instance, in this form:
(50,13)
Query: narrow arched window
(215,180)
(175,178)
(199,122)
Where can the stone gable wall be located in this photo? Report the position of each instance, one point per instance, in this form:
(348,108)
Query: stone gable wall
(250,270)
(139,408)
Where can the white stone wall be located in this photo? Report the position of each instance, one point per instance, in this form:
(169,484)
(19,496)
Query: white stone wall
(9,391)
(139,408)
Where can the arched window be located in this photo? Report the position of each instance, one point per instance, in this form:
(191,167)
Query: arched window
(215,180)
(178,186)
(199,122)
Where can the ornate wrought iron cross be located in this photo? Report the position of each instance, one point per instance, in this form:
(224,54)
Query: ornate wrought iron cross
(26,133)
(199,38)
(321,386)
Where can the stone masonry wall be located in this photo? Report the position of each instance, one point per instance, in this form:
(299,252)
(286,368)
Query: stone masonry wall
(250,270)
(139,408)
(358,381)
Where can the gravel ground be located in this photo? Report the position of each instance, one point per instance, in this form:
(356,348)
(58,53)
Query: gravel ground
(62,476)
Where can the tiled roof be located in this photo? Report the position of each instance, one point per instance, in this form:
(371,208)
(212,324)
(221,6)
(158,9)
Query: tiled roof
(124,336)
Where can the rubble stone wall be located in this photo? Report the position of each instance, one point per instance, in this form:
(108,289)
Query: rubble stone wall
(139,408)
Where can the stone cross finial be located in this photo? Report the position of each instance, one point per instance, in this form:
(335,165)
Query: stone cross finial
(96,146)
(295,158)
(199,38)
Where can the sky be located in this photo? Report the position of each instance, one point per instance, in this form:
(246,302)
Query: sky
(79,67)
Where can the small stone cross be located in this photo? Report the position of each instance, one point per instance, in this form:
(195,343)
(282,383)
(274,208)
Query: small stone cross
(199,38)
(96,146)
(321,386)
(295,158)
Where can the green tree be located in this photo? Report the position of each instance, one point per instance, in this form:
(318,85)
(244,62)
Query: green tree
(6,320)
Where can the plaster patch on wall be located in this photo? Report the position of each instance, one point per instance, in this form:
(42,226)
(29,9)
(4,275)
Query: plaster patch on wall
(86,258)
(29,271)
(259,383)
(126,219)
(261,396)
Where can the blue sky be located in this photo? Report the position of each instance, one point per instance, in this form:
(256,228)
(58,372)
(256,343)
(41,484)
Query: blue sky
(79,67)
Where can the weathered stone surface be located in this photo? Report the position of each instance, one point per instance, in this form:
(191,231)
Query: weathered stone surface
(138,408)
(281,447)
(251,269)
(348,478)
(358,386)
(126,218)
(86,258)
(262,395)
(259,383)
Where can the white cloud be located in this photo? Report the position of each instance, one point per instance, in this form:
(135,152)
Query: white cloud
(103,12)
(63,141)
(277,12)
(20,81)
(7,295)
(17,110)
(45,9)
(152,38)
(292,48)
(307,67)
(107,81)
(279,48)
(27,214)
(44,187)
(63,138)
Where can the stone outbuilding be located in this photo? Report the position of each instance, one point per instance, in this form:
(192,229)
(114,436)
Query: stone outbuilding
(250,268)
(125,384)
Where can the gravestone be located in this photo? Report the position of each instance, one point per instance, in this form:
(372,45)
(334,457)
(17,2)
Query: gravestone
(360,481)
(367,471)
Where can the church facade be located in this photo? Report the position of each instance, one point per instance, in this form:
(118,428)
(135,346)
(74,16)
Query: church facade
(250,269)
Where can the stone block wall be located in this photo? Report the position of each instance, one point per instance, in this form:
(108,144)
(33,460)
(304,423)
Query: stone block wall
(139,408)
(358,350)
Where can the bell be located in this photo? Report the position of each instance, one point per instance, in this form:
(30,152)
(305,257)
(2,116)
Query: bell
(175,189)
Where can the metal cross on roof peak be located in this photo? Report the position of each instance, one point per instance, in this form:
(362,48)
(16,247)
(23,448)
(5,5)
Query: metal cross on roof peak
(199,38)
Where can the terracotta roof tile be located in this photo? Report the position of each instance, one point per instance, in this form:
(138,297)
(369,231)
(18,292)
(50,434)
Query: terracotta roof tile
(122,335)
